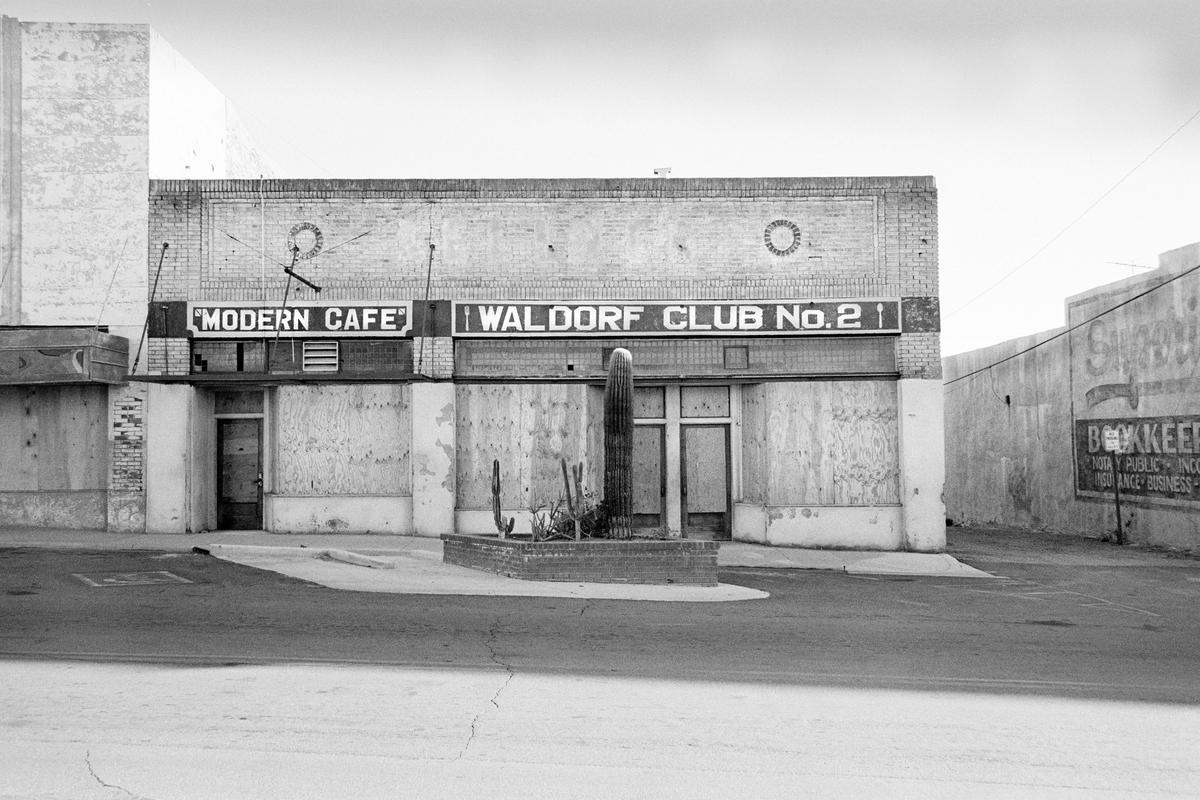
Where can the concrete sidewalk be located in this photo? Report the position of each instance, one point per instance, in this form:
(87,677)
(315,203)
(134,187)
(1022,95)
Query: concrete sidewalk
(413,564)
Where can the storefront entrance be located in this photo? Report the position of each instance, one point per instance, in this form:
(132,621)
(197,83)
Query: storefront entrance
(239,474)
(681,460)
(704,481)
(649,478)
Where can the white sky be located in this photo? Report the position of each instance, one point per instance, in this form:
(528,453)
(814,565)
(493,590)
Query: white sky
(1026,111)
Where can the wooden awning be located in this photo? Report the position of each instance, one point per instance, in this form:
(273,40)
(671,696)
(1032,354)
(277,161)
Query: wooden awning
(46,355)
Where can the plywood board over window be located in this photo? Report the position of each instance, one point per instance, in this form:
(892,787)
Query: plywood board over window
(342,440)
(528,428)
(825,442)
(53,438)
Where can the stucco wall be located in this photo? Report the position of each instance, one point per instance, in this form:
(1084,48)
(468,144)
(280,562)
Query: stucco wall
(90,112)
(1008,430)
(1013,449)
(84,125)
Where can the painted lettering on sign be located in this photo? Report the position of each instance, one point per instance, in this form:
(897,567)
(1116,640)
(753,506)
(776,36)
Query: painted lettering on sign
(729,318)
(1159,457)
(300,319)
(1123,347)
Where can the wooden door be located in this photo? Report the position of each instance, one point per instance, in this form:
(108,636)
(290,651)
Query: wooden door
(704,481)
(649,478)
(239,474)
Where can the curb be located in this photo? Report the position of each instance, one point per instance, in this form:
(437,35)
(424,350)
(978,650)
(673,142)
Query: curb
(324,553)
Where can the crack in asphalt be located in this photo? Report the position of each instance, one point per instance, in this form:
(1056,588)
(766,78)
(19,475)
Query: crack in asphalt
(87,759)
(490,643)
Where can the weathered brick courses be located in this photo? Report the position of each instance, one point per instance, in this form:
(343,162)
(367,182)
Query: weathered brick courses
(549,239)
(685,562)
(127,437)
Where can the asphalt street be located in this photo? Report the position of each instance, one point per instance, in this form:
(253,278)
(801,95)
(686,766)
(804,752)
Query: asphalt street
(1072,673)
(1106,622)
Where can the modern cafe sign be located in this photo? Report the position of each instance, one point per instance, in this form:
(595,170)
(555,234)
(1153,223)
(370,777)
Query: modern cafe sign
(676,318)
(242,320)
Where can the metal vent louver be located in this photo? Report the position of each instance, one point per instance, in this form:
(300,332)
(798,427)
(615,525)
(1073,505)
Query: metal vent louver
(320,357)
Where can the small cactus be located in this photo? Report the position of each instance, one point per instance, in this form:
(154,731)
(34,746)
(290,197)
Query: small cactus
(503,528)
(575,505)
(618,444)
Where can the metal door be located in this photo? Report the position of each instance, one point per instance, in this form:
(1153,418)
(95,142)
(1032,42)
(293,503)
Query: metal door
(239,474)
(704,481)
(649,477)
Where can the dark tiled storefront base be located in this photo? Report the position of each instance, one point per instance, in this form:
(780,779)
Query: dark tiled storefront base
(656,561)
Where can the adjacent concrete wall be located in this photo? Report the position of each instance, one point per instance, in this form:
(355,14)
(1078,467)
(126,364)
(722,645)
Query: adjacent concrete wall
(90,113)
(84,151)
(1014,413)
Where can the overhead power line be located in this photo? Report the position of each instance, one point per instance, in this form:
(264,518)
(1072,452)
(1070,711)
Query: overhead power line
(1076,326)
(1080,216)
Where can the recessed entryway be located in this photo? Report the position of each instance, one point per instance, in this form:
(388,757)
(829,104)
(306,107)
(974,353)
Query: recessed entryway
(239,474)
(682,460)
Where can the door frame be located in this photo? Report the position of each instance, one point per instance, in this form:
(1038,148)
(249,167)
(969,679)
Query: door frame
(660,426)
(671,422)
(263,451)
(726,428)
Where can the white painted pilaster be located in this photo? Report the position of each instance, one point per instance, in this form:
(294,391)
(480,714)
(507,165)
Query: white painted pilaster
(674,498)
(922,463)
(434,466)
(168,433)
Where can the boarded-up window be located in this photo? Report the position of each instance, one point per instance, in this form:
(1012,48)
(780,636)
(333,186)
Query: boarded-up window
(704,401)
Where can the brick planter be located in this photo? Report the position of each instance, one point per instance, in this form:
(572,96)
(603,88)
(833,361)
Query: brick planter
(676,561)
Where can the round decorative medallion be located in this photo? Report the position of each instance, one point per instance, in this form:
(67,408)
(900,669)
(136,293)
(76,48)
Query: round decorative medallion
(782,237)
(307,239)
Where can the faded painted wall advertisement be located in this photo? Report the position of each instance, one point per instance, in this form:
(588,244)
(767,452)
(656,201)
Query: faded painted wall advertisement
(1161,460)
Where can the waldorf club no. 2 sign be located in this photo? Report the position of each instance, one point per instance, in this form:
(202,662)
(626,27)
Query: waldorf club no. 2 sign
(676,318)
(251,319)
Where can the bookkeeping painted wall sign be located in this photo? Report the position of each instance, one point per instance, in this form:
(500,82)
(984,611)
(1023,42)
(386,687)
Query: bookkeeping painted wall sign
(686,318)
(302,319)
(1158,458)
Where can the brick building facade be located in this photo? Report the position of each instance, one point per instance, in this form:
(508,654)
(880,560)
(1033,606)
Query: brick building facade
(784,334)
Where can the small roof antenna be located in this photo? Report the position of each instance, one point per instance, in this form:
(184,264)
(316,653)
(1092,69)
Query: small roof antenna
(662,172)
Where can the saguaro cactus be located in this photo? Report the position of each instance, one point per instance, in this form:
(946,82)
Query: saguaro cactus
(618,444)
